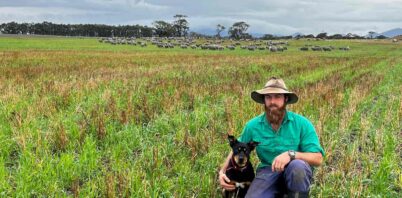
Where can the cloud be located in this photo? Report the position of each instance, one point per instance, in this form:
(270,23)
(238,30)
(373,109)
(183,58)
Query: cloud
(273,16)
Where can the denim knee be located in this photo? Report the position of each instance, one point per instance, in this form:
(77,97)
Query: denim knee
(298,176)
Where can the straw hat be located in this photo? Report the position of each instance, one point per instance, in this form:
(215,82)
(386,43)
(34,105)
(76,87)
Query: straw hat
(274,85)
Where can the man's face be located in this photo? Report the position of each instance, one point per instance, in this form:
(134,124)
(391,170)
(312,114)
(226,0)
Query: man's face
(274,101)
(275,107)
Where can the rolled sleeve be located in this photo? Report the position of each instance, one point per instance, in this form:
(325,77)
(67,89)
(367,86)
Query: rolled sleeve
(309,140)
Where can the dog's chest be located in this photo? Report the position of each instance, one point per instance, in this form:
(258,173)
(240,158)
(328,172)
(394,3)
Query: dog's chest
(240,174)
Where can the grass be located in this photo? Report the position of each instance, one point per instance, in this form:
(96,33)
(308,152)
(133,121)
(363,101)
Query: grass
(79,118)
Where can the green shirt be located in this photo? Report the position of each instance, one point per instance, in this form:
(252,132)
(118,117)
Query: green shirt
(295,133)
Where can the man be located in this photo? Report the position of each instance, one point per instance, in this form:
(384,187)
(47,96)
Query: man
(288,146)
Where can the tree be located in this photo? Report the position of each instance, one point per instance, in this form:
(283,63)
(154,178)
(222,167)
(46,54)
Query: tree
(163,28)
(371,34)
(238,29)
(336,36)
(268,37)
(309,36)
(219,29)
(180,25)
(322,35)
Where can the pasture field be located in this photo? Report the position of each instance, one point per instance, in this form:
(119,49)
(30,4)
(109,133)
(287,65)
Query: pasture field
(79,118)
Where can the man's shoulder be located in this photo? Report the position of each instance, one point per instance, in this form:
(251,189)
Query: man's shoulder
(256,120)
(297,117)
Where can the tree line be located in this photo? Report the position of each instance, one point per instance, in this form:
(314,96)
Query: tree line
(179,27)
(90,30)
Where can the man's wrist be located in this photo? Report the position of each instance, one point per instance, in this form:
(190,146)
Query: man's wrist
(221,172)
(292,154)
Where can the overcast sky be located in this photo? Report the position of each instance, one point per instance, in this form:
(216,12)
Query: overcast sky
(283,17)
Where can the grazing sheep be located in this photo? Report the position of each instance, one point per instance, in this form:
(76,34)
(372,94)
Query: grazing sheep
(161,45)
(344,48)
(231,47)
(326,49)
(316,48)
(304,48)
(251,47)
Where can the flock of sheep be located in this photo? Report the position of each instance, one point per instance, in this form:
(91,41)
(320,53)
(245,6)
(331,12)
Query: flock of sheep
(184,43)
(322,48)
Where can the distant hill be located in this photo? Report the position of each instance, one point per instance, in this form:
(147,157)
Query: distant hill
(393,32)
(209,31)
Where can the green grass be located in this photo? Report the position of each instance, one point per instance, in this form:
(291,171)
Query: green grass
(79,118)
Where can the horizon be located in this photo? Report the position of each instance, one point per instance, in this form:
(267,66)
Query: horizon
(211,32)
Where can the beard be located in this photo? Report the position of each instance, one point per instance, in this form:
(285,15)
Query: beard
(275,116)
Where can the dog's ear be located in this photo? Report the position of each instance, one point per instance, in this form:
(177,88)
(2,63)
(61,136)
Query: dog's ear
(232,140)
(252,145)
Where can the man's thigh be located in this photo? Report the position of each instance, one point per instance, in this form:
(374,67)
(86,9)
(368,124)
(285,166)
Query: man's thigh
(266,184)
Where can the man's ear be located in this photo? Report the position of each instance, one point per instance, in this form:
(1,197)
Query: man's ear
(252,145)
(232,140)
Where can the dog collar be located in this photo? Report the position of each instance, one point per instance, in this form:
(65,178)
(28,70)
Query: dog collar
(236,167)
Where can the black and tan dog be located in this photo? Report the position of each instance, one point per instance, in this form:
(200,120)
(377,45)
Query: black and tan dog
(240,171)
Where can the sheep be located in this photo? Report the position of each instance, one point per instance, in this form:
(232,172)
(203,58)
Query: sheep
(251,47)
(303,49)
(316,48)
(344,48)
(231,47)
(326,48)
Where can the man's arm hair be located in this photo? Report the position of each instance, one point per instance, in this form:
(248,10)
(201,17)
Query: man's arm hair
(314,159)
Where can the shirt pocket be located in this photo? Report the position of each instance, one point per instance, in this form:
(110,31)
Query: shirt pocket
(290,142)
(267,141)
(267,147)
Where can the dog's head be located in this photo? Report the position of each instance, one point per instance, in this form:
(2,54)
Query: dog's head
(241,151)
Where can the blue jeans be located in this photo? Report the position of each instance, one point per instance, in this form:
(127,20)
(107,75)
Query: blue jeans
(296,177)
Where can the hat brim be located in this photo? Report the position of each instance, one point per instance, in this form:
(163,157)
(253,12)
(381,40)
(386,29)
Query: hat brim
(258,95)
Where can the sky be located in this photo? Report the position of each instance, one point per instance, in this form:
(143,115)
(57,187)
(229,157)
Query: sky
(278,17)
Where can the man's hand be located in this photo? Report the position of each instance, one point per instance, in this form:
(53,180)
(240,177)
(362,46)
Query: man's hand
(224,182)
(280,162)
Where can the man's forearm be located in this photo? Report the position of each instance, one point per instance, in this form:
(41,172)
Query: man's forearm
(314,159)
(226,163)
